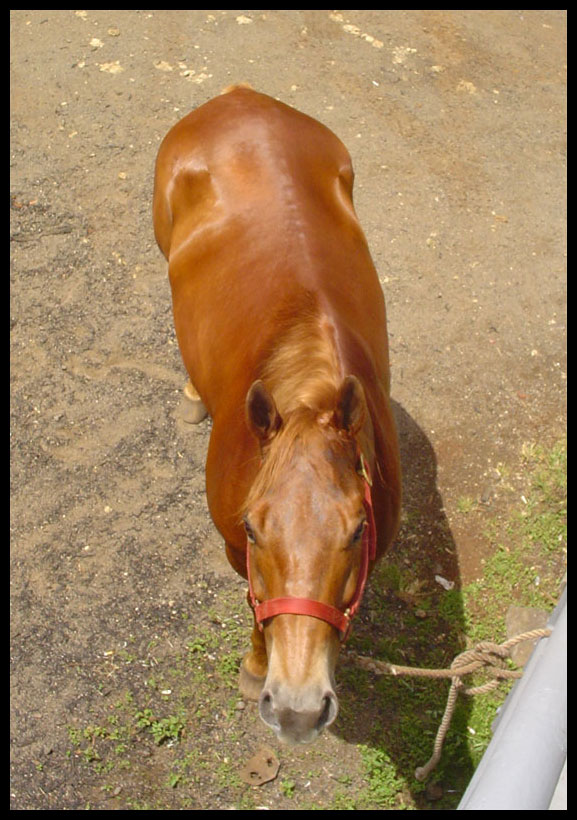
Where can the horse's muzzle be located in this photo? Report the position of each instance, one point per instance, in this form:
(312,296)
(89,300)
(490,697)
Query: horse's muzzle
(297,716)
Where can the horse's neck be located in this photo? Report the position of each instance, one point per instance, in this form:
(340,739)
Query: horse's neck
(306,368)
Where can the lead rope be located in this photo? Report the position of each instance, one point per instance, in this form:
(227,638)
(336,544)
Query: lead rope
(485,655)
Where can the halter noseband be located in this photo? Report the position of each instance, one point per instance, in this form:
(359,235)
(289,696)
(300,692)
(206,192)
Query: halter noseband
(263,610)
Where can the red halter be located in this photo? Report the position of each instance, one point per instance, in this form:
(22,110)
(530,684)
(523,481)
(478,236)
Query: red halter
(263,610)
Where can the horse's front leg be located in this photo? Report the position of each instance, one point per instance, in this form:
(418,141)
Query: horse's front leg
(254,666)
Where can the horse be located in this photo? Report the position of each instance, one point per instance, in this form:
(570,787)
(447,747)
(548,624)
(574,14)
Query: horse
(281,324)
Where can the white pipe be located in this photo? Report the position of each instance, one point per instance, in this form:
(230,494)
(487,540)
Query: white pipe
(524,761)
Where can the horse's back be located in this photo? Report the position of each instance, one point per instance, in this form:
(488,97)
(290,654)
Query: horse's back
(253,209)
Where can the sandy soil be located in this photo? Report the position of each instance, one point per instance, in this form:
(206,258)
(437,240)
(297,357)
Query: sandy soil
(456,124)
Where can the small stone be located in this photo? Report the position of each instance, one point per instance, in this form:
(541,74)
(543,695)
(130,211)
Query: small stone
(521,619)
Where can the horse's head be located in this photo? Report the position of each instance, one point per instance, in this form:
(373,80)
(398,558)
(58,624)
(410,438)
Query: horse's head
(307,522)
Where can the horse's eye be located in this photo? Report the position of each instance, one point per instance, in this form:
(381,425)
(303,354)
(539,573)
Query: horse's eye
(358,533)
(249,532)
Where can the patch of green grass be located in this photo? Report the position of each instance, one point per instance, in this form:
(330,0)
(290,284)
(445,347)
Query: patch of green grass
(544,522)
(164,716)
(529,544)
(525,568)
(383,784)
(228,669)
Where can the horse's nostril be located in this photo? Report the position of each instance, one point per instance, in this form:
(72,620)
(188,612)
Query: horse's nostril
(325,713)
(265,701)
(329,711)
(266,709)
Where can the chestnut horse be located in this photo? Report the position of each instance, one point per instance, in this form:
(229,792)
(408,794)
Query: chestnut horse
(280,319)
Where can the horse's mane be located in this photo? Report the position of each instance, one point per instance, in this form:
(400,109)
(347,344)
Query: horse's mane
(303,368)
(303,374)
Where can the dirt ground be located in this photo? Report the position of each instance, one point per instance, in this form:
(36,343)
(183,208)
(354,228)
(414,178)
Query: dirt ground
(456,124)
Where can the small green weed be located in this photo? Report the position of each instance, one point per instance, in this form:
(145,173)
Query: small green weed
(466,504)
(163,730)
(288,787)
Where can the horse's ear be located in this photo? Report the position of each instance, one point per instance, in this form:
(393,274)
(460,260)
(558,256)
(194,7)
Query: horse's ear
(351,407)
(262,416)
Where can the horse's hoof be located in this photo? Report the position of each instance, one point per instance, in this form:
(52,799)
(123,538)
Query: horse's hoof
(193,412)
(250,685)
(192,409)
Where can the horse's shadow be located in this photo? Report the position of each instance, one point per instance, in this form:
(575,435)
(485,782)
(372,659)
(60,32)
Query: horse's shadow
(410,618)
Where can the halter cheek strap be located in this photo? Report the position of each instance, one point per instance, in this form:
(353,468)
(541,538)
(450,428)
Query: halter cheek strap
(341,620)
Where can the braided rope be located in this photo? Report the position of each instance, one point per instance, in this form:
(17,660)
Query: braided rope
(487,656)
